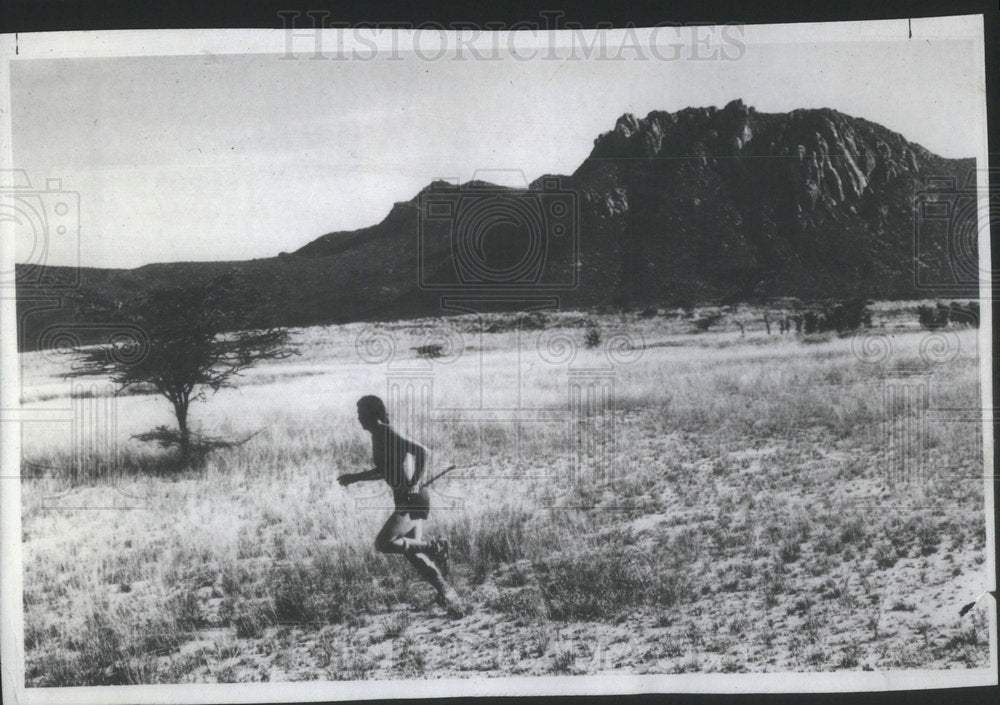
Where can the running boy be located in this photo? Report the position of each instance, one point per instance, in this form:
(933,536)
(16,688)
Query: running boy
(403,531)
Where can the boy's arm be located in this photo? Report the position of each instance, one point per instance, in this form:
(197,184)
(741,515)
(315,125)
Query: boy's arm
(419,453)
(352,477)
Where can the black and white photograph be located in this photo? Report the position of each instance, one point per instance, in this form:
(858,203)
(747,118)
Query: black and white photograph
(359,362)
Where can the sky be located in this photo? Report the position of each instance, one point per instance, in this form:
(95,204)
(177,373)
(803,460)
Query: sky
(209,157)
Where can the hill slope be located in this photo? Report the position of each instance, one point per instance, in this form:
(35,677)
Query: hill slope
(672,208)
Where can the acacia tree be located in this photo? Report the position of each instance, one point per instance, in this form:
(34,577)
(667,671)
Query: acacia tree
(182,342)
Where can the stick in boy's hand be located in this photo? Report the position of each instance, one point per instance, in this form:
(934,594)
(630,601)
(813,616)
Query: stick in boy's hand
(447,469)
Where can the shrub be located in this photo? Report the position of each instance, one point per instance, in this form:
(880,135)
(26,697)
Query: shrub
(707,321)
(927,317)
(853,531)
(790,551)
(810,322)
(536,320)
(885,554)
(846,315)
(429,351)
(251,621)
(497,537)
(928,538)
(828,542)
(943,315)
(850,314)
(606,582)
(563,659)
(849,657)
(523,604)
(972,309)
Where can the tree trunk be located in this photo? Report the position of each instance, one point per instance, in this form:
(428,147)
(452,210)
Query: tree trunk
(180,410)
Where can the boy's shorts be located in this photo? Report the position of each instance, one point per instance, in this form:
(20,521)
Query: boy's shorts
(415,504)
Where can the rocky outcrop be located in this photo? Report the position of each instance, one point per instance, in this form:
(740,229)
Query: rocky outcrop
(831,158)
(805,202)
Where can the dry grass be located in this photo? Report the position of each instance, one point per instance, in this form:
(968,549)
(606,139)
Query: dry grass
(748,478)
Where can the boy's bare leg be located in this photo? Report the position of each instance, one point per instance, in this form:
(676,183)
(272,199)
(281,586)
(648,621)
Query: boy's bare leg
(403,535)
(393,540)
(447,597)
(436,550)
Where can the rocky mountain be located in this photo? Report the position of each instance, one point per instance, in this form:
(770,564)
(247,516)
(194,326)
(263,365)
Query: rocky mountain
(675,208)
(735,203)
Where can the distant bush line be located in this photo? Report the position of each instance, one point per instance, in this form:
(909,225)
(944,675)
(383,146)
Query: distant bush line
(850,314)
(941,315)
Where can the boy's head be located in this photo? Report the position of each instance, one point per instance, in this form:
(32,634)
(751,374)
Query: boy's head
(371,411)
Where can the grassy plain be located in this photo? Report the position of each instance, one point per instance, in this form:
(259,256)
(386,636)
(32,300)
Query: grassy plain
(738,507)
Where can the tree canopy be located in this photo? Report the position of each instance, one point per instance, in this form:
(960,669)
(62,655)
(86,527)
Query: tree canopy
(183,342)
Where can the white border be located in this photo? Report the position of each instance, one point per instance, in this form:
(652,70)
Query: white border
(185,42)
(11,574)
(124,43)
